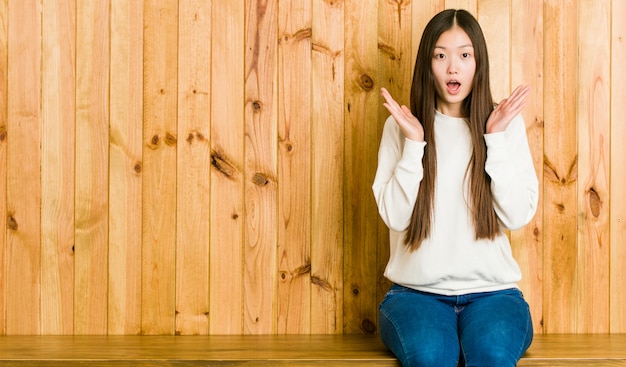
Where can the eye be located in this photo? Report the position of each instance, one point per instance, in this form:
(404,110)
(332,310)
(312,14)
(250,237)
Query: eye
(439,56)
(466,55)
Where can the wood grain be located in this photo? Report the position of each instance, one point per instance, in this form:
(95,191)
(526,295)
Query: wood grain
(227,164)
(193,168)
(469,5)
(23,184)
(362,99)
(494,17)
(294,166)
(4,72)
(261,187)
(617,199)
(58,167)
(560,170)
(126,167)
(92,171)
(327,146)
(527,69)
(593,163)
(159,166)
(276,350)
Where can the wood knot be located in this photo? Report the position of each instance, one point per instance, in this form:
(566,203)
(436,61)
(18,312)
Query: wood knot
(260,179)
(288,146)
(222,165)
(303,269)
(3,133)
(389,51)
(355,291)
(368,326)
(366,82)
(137,167)
(257,106)
(170,139)
(154,142)
(594,202)
(11,223)
(322,283)
(300,35)
(195,135)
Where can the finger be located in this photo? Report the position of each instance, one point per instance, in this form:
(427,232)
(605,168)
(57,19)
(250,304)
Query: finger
(407,111)
(388,98)
(516,100)
(520,93)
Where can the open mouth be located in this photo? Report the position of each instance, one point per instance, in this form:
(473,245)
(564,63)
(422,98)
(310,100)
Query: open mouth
(453,86)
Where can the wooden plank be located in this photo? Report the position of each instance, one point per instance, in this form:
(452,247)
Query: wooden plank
(560,167)
(276,350)
(617,200)
(327,180)
(593,165)
(223,350)
(4,71)
(396,60)
(469,5)
(527,68)
(572,347)
(294,166)
(227,158)
(261,116)
(194,157)
(494,17)
(362,99)
(125,168)
(92,156)
(57,168)
(23,246)
(159,174)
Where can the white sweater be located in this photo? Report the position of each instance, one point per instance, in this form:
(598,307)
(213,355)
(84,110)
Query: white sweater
(451,261)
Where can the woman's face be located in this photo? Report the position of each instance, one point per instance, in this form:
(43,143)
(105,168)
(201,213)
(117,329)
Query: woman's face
(453,66)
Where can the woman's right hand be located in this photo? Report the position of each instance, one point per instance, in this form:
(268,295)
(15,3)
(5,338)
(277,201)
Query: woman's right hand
(409,124)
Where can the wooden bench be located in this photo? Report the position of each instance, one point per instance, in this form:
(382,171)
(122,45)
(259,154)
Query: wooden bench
(274,350)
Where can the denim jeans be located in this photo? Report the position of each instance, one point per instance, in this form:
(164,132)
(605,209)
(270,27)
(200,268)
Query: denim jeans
(478,329)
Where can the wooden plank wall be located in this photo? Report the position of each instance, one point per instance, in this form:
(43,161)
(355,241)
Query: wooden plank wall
(205,166)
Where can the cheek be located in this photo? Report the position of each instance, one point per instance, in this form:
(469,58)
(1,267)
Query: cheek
(439,74)
(471,70)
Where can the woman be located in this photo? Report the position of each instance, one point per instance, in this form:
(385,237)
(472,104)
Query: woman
(454,171)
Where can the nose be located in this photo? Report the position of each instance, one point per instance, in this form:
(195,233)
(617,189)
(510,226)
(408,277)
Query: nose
(452,66)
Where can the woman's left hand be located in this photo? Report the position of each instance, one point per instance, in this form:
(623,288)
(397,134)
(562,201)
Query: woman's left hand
(505,111)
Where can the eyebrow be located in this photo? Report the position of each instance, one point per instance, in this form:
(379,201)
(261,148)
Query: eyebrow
(462,46)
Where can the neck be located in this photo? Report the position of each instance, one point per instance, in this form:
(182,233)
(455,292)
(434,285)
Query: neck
(452,110)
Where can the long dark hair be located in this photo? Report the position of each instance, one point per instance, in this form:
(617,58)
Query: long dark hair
(476,107)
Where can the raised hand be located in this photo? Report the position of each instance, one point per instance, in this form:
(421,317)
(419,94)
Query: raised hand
(506,110)
(409,124)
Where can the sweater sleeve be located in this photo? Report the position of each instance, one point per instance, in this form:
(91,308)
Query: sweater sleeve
(398,176)
(514,182)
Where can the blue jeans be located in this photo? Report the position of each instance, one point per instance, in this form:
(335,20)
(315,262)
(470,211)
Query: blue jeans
(478,329)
